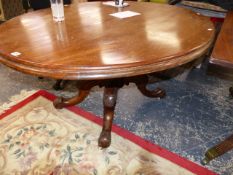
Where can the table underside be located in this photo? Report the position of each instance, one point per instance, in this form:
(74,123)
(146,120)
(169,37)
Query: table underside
(111,88)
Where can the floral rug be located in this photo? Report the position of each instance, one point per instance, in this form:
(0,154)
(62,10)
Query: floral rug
(37,139)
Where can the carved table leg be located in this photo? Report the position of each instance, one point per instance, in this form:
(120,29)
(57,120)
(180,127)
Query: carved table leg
(218,150)
(153,93)
(141,85)
(84,90)
(109,101)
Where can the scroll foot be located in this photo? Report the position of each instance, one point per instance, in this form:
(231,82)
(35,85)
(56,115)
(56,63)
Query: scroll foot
(84,90)
(141,83)
(151,93)
(61,102)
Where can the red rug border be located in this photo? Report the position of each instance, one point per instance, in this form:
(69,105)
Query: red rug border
(153,148)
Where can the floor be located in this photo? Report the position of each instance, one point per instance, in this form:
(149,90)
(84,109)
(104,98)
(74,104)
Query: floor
(196,113)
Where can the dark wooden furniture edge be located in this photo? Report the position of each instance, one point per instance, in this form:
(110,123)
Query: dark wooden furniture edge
(221,64)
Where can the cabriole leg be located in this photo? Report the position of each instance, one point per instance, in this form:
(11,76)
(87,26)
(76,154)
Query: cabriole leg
(109,102)
(84,89)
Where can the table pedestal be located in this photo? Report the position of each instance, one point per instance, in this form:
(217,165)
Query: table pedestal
(109,99)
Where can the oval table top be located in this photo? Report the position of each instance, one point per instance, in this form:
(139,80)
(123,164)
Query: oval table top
(91,44)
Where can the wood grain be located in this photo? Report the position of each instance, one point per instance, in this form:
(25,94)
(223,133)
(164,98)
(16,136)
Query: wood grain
(90,44)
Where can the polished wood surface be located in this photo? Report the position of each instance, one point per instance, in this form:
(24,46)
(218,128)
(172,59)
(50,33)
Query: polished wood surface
(223,50)
(91,44)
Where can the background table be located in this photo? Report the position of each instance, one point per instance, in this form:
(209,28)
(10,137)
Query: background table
(221,63)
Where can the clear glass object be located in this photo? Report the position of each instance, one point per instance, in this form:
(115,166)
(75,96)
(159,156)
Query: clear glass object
(119,3)
(57,10)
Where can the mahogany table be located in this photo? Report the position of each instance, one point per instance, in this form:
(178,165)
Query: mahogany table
(98,49)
